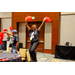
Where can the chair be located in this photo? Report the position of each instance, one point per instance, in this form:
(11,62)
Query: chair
(22,52)
(1,51)
(9,50)
(28,56)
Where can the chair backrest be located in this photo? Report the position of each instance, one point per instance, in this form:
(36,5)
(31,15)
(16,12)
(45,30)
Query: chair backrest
(1,51)
(28,56)
(9,50)
(22,52)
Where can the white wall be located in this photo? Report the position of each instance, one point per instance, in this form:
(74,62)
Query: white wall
(67,29)
(48,35)
(65,13)
(6,23)
(22,34)
(5,14)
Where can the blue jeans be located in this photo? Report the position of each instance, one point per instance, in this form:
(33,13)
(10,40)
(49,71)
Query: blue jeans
(0,47)
(13,50)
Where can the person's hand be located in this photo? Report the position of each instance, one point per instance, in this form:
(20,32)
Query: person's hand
(25,19)
(16,51)
(44,19)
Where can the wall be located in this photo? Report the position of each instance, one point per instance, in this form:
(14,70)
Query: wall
(67,29)
(48,35)
(67,13)
(20,17)
(66,24)
(5,14)
(6,23)
(22,34)
(67,21)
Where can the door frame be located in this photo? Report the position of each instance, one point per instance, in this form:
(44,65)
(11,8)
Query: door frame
(44,50)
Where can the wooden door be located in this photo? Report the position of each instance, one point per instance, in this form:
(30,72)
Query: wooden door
(40,48)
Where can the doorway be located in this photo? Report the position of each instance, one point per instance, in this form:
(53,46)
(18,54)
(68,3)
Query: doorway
(40,48)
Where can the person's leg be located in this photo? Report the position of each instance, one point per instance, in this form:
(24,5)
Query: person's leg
(33,50)
(30,51)
(11,50)
(7,46)
(30,47)
(34,58)
(0,47)
(34,46)
(14,51)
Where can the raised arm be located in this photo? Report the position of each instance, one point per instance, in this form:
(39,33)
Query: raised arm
(42,24)
(17,43)
(8,34)
(27,25)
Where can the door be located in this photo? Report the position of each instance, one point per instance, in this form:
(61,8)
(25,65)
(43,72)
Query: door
(40,48)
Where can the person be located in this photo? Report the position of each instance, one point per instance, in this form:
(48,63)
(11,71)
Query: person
(34,38)
(9,39)
(1,38)
(1,43)
(15,42)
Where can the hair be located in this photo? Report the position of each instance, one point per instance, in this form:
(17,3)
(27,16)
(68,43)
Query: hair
(33,26)
(15,33)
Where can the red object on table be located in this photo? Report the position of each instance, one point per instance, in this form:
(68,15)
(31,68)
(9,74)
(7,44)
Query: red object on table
(4,59)
(10,28)
(48,19)
(29,18)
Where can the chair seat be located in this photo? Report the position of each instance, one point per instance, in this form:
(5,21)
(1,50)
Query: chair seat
(22,52)
(1,51)
(9,50)
(23,59)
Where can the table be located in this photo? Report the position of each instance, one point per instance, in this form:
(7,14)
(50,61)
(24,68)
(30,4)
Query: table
(65,52)
(12,57)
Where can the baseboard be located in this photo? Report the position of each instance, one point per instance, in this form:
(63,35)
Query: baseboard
(47,51)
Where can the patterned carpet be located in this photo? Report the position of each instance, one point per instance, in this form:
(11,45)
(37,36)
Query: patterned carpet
(44,57)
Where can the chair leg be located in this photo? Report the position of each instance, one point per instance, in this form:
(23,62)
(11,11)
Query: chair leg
(24,61)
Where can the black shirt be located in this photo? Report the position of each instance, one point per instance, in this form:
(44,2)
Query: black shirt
(15,39)
(34,35)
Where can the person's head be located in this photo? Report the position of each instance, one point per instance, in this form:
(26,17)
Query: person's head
(33,27)
(14,32)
